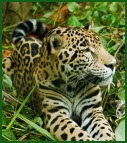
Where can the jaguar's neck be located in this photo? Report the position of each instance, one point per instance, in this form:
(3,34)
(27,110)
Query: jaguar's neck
(47,73)
(63,86)
(46,70)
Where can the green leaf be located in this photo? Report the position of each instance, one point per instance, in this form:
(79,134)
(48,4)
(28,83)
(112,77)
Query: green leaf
(108,17)
(96,16)
(29,127)
(48,14)
(87,7)
(46,20)
(86,16)
(5,48)
(7,107)
(113,7)
(88,13)
(121,94)
(89,19)
(73,6)
(12,46)
(27,112)
(46,17)
(7,81)
(38,128)
(103,41)
(115,31)
(115,23)
(38,120)
(6,40)
(98,28)
(34,8)
(122,23)
(8,134)
(103,9)
(4,120)
(14,92)
(114,48)
(120,131)
(73,21)
(118,75)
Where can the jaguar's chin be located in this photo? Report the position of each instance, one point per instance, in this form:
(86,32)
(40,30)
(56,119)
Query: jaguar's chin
(106,81)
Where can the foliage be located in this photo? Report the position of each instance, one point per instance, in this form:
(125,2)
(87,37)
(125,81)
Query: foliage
(107,19)
(120,131)
(8,84)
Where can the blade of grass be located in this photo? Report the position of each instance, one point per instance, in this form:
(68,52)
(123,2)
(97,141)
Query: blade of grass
(20,108)
(6,137)
(54,24)
(38,128)
(23,137)
(118,120)
(11,26)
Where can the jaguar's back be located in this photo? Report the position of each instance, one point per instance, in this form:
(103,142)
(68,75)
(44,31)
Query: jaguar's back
(68,64)
(19,65)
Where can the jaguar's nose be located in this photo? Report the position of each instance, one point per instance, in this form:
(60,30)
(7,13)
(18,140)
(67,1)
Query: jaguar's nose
(112,65)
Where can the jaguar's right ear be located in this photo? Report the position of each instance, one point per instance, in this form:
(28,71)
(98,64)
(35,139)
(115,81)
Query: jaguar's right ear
(54,43)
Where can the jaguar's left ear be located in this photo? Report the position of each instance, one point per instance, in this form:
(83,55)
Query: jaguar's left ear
(55,42)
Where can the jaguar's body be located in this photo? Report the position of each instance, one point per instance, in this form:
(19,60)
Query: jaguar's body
(68,64)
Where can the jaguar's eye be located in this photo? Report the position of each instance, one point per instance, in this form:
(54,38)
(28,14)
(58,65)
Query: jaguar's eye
(85,49)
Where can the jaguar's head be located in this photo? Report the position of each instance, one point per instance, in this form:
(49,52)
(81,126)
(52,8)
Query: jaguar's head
(79,54)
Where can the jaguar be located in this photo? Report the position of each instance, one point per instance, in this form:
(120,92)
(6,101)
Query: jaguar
(69,65)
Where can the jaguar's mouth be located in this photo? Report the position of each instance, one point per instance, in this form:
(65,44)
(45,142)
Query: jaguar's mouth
(99,80)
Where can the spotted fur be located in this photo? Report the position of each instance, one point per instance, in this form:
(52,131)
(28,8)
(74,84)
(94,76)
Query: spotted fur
(69,64)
